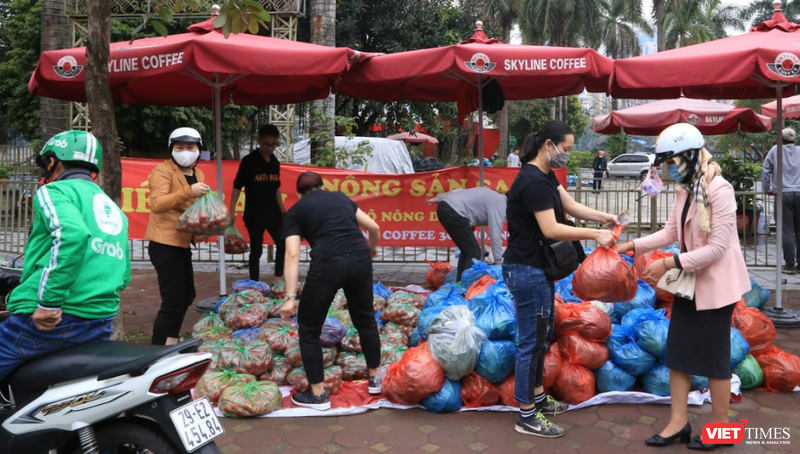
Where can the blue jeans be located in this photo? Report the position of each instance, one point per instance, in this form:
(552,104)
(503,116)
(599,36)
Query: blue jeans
(21,341)
(534,296)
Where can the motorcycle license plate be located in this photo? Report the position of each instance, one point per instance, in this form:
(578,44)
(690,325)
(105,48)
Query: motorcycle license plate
(196,423)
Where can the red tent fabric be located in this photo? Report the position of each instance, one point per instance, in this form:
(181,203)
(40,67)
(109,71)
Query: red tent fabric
(709,117)
(178,70)
(416,137)
(452,73)
(791,108)
(739,67)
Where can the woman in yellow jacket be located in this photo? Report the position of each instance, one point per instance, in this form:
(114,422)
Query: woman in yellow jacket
(174,185)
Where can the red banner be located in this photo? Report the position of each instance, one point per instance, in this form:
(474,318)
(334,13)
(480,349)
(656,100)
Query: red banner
(396,202)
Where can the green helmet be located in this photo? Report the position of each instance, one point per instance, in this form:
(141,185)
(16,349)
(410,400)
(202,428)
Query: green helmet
(79,147)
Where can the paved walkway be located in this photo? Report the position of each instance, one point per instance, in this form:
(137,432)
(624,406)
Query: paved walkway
(602,429)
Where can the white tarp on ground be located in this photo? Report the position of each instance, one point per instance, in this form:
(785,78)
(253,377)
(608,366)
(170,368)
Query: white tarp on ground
(388,156)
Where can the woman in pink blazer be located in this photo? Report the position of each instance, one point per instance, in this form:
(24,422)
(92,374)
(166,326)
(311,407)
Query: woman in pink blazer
(703,222)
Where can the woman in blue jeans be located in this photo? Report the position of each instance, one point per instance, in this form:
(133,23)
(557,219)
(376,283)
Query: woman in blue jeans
(537,204)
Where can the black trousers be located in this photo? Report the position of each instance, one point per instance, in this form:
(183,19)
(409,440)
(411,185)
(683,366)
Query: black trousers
(353,273)
(256,232)
(597,183)
(176,283)
(460,230)
(791,227)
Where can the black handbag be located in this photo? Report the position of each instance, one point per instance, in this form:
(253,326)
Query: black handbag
(562,257)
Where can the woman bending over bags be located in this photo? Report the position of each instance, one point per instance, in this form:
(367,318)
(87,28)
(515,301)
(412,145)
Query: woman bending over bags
(340,258)
(174,185)
(703,222)
(536,208)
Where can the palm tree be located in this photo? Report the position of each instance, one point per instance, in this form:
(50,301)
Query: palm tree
(761,10)
(697,21)
(719,18)
(504,12)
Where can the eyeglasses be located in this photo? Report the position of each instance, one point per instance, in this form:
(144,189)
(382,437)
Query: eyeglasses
(269,144)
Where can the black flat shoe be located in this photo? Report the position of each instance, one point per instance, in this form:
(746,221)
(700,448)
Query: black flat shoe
(697,445)
(685,435)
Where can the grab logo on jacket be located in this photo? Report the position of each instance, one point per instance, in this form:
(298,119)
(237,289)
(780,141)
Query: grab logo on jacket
(107,215)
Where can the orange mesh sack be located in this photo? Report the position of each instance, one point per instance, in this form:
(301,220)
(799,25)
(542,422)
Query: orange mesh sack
(757,329)
(552,365)
(577,350)
(585,319)
(605,276)
(414,377)
(437,273)
(781,370)
(477,391)
(575,384)
(507,389)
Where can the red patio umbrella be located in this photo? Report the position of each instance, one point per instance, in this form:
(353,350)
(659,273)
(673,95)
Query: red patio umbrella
(415,137)
(710,118)
(791,108)
(201,68)
(760,64)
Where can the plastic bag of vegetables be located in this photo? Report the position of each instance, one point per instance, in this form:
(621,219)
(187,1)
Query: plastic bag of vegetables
(247,316)
(354,365)
(280,370)
(279,334)
(252,357)
(245,400)
(455,342)
(446,400)
(242,285)
(211,384)
(234,241)
(206,216)
(209,320)
(404,297)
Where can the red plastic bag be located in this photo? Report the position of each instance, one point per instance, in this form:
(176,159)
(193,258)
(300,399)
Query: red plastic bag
(585,319)
(781,369)
(414,377)
(477,391)
(605,276)
(641,262)
(578,350)
(507,389)
(666,305)
(437,273)
(480,286)
(575,384)
(207,216)
(552,365)
(757,329)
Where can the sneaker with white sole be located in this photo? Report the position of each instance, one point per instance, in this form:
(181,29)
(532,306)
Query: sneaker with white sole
(375,386)
(539,426)
(307,399)
(552,407)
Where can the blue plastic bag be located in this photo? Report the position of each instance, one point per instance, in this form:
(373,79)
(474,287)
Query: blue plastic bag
(478,270)
(739,347)
(673,249)
(496,361)
(446,400)
(633,316)
(609,377)
(651,330)
(628,356)
(619,335)
(699,383)
(656,381)
(495,313)
(378,320)
(414,339)
(333,331)
(425,318)
(248,284)
(447,295)
(564,289)
(757,296)
(246,334)
(219,304)
(645,297)
(450,278)
(627,258)
(381,290)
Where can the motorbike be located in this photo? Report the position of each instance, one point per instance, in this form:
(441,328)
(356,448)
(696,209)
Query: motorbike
(107,397)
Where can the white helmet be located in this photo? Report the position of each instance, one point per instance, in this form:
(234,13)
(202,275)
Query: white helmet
(188,135)
(677,139)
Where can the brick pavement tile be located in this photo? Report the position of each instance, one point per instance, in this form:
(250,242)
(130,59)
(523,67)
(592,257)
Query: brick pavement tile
(589,435)
(603,424)
(619,413)
(309,437)
(239,428)
(781,401)
(334,428)
(357,438)
(382,412)
(427,428)
(506,450)
(289,427)
(379,447)
(430,447)
(526,445)
(769,411)
(656,411)
(500,436)
(472,427)
(451,436)
(733,413)
(478,446)
(330,448)
(231,448)
(632,432)
(571,443)
(583,417)
(618,442)
(382,429)
(264,436)
(647,420)
(280,447)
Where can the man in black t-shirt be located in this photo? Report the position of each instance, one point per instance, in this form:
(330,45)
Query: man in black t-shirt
(600,167)
(340,258)
(260,175)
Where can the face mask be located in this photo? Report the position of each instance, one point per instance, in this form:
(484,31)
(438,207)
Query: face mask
(672,168)
(185,158)
(560,160)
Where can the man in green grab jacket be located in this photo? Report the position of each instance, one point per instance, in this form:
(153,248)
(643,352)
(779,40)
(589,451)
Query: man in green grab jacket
(76,259)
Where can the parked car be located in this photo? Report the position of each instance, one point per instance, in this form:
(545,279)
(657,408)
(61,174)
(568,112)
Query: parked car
(631,165)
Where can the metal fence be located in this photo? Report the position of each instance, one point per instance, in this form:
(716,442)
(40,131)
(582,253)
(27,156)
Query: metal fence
(647,216)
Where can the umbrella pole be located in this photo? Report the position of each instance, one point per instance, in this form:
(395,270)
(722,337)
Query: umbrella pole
(480,157)
(779,315)
(218,147)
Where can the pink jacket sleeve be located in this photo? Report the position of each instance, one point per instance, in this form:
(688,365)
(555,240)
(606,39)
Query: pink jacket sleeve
(666,236)
(722,202)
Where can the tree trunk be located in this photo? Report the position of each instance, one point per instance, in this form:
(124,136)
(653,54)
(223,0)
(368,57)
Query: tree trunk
(454,149)
(564,106)
(502,147)
(552,102)
(660,7)
(98,98)
(54,113)
(614,104)
(323,32)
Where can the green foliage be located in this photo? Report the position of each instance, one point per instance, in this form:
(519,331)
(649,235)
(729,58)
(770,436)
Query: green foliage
(500,163)
(742,176)
(617,144)
(331,156)
(235,16)
(579,160)
(19,52)
(528,116)
(4,173)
